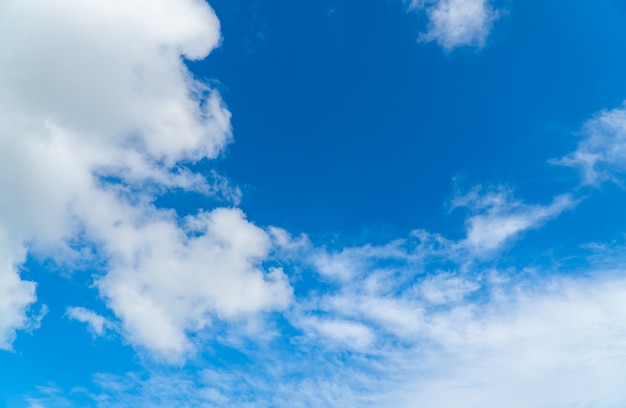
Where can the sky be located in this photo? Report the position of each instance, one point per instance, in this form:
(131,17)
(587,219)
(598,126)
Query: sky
(269,203)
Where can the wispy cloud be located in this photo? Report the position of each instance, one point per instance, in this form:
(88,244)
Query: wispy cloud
(497,217)
(400,289)
(97,324)
(601,153)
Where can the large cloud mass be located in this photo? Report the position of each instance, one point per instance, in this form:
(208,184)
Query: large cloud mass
(98,114)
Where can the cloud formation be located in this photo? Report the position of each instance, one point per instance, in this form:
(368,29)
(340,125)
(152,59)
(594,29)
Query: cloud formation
(401,291)
(497,217)
(601,153)
(534,340)
(457,23)
(422,321)
(99,115)
(15,294)
(96,324)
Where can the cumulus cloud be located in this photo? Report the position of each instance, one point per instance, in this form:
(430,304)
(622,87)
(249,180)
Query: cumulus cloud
(456,23)
(601,153)
(165,282)
(99,115)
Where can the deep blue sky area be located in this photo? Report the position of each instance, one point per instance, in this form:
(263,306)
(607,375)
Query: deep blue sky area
(344,122)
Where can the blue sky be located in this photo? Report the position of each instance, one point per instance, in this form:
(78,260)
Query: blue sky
(312,204)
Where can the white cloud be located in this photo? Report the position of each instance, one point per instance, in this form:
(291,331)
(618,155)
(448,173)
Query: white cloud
(456,23)
(165,282)
(394,288)
(556,343)
(398,316)
(497,217)
(494,218)
(601,154)
(15,294)
(349,262)
(445,288)
(530,342)
(97,324)
(346,333)
(99,114)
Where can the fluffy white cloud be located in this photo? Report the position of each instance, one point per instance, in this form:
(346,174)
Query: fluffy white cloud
(165,282)
(456,23)
(99,114)
(601,154)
